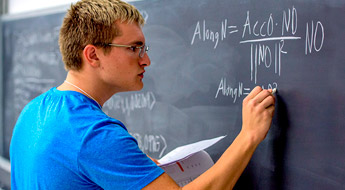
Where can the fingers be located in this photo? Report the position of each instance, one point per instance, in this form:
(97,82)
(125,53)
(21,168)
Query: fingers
(257,113)
(271,110)
(267,99)
(254,92)
(258,95)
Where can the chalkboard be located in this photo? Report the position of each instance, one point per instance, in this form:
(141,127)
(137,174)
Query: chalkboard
(206,56)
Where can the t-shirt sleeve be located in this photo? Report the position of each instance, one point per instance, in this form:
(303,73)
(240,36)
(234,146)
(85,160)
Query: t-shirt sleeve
(110,157)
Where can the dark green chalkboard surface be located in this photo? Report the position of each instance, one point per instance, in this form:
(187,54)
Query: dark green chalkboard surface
(206,56)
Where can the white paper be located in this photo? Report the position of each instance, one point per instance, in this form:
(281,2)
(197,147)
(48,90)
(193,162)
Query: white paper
(185,171)
(185,151)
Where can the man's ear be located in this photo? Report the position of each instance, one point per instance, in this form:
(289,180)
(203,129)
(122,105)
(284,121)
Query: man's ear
(90,55)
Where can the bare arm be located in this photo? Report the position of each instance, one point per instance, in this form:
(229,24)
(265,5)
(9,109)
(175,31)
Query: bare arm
(154,160)
(257,113)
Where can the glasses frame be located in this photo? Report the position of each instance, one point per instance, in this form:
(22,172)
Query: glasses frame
(141,52)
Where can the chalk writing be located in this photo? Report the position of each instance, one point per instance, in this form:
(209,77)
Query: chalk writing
(264,29)
(271,86)
(233,92)
(261,53)
(145,15)
(205,34)
(311,38)
(290,22)
(269,55)
(151,144)
(132,102)
(35,43)
(227,90)
(23,88)
(267,39)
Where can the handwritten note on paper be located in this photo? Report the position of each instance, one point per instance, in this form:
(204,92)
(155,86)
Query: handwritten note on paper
(186,170)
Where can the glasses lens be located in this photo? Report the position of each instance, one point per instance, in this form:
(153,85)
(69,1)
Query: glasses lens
(143,50)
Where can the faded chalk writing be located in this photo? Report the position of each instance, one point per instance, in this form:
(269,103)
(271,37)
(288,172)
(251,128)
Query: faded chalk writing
(127,104)
(151,144)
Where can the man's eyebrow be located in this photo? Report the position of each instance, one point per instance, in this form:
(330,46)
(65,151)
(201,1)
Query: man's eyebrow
(139,43)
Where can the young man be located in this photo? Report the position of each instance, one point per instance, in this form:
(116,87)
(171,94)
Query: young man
(63,140)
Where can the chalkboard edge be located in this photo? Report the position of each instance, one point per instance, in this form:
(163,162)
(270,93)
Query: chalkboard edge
(41,12)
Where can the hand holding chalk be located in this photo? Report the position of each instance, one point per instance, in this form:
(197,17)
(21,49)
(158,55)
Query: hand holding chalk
(274,90)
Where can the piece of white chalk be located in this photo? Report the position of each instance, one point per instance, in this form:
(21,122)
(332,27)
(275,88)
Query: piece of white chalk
(274,90)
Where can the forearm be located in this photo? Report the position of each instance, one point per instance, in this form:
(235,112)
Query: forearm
(225,173)
(258,109)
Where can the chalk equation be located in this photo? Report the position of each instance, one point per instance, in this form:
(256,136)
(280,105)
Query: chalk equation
(266,39)
(237,91)
(225,89)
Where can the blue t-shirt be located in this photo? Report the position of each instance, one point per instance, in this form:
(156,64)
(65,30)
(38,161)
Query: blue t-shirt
(63,140)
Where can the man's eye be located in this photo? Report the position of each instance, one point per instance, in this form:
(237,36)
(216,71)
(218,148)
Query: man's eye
(133,48)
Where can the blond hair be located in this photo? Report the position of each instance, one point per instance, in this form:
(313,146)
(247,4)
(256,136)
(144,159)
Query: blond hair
(92,22)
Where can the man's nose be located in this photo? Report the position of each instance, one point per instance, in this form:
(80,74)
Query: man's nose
(145,61)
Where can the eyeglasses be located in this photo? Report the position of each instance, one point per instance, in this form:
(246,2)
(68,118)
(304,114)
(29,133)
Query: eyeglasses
(143,49)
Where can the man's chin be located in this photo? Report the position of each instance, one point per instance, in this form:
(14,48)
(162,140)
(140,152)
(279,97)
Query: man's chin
(137,88)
